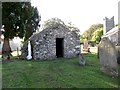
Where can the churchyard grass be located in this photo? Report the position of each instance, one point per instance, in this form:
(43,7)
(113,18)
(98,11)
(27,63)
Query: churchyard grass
(119,75)
(64,73)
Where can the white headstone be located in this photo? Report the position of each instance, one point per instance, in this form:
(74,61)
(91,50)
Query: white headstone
(29,51)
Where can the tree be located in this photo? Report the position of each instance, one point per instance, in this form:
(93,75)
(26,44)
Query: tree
(73,28)
(82,38)
(116,25)
(97,35)
(55,22)
(91,30)
(32,24)
(14,19)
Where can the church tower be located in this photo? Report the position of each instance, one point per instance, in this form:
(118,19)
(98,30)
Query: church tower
(108,25)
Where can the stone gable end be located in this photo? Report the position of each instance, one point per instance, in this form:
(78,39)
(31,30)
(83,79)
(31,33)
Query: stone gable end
(44,44)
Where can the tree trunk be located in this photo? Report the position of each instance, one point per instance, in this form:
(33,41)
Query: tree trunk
(6,49)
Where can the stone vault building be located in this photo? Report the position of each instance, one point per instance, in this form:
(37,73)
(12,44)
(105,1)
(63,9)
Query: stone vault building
(53,42)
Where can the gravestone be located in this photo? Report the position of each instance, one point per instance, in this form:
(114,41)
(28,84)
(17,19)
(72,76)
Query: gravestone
(107,57)
(85,45)
(81,60)
(29,51)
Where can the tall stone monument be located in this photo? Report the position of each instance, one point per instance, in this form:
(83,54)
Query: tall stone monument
(29,51)
(85,45)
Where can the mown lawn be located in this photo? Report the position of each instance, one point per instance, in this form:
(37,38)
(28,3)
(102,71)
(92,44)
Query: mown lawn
(119,75)
(59,73)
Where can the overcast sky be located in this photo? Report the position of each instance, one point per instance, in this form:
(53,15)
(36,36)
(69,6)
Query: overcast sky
(82,13)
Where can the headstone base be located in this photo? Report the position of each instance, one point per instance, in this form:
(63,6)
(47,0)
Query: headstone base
(109,71)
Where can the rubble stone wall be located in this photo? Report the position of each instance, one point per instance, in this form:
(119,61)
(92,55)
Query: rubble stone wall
(44,43)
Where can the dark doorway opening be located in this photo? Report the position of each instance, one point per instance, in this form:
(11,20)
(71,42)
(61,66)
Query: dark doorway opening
(59,47)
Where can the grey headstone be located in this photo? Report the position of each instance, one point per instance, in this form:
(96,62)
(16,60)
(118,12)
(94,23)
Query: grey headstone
(81,60)
(107,57)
